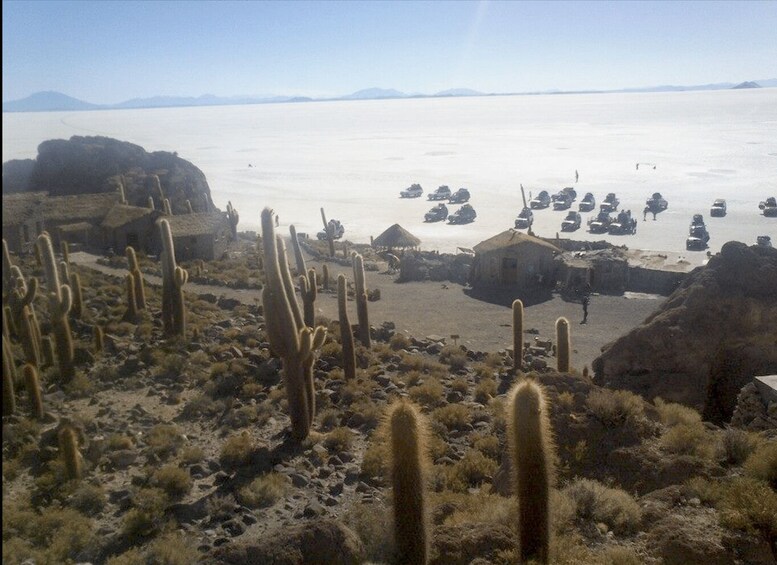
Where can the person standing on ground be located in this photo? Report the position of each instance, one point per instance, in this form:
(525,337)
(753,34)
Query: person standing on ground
(576,175)
(586,300)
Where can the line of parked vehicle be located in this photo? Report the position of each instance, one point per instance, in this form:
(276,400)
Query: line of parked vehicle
(464,215)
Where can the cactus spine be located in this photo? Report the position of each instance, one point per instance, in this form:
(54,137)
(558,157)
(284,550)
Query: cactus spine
(32,384)
(532,459)
(346,333)
(173,279)
(60,302)
(78,296)
(564,349)
(325,275)
(289,337)
(134,268)
(309,291)
(361,300)
(9,378)
(408,471)
(517,334)
(68,448)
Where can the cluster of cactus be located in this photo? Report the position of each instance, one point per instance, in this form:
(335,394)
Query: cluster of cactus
(531,447)
(346,333)
(288,335)
(20,314)
(360,295)
(233,218)
(309,292)
(60,301)
(173,279)
(517,334)
(409,468)
(564,346)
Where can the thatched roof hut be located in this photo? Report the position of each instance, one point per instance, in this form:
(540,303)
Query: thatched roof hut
(396,237)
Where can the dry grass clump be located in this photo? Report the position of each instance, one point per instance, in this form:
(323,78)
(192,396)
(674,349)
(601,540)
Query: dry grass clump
(55,535)
(176,482)
(460,384)
(173,548)
(485,390)
(88,499)
(375,459)
(454,357)
(192,454)
(615,407)
(672,414)
(119,441)
(164,440)
(762,463)
(690,439)
(374,525)
(611,506)
(737,445)
(399,341)
(338,440)
(453,416)
(236,451)
(488,446)
(470,471)
(264,490)
(428,394)
(147,515)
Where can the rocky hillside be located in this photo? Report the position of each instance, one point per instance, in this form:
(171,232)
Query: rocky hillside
(83,165)
(712,335)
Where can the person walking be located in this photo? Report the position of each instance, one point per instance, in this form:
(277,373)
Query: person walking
(586,300)
(576,175)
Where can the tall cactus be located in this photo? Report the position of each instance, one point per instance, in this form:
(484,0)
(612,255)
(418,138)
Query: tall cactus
(532,461)
(167,210)
(7,287)
(309,291)
(131,315)
(150,203)
(65,271)
(29,335)
(9,378)
(563,347)
(329,235)
(298,257)
(47,351)
(360,289)
(173,279)
(409,466)
(32,384)
(346,333)
(134,268)
(233,217)
(325,276)
(60,302)
(78,296)
(65,249)
(99,339)
(21,295)
(517,334)
(289,337)
(68,449)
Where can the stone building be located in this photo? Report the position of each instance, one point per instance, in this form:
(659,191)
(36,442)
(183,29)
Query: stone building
(200,236)
(76,218)
(22,220)
(131,225)
(514,259)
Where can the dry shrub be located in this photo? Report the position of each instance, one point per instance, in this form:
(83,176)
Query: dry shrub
(147,514)
(264,491)
(399,341)
(672,414)
(338,440)
(615,407)
(762,463)
(737,445)
(452,416)
(488,446)
(454,357)
(173,548)
(236,451)
(375,459)
(374,525)
(175,481)
(690,439)
(460,384)
(428,394)
(565,401)
(164,440)
(470,471)
(88,499)
(485,390)
(612,506)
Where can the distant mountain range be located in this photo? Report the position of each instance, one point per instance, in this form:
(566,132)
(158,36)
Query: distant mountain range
(57,102)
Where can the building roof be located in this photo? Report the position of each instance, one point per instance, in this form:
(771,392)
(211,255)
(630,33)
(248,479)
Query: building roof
(18,207)
(512,238)
(396,236)
(122,214)
(75,228)
(184,225)
(78,207)
(584,259)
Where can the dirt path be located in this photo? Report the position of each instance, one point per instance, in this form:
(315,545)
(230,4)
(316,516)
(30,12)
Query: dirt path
(432,308)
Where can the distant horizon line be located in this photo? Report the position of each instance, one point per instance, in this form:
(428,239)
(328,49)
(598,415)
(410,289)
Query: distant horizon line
(59,101)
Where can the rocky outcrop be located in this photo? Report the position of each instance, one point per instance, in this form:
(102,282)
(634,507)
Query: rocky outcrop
(716,331)
(754,412)
(83,165)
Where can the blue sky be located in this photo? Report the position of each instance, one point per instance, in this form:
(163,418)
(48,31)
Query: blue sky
(110,51)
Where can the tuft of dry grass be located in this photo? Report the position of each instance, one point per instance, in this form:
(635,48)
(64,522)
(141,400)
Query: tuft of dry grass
(615,407)
(264,490)
(236,451)
(612,506)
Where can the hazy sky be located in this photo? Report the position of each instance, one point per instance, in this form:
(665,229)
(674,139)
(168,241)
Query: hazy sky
(110,51)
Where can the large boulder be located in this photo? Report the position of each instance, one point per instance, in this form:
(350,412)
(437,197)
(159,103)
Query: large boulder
(93,164)
(710,337)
